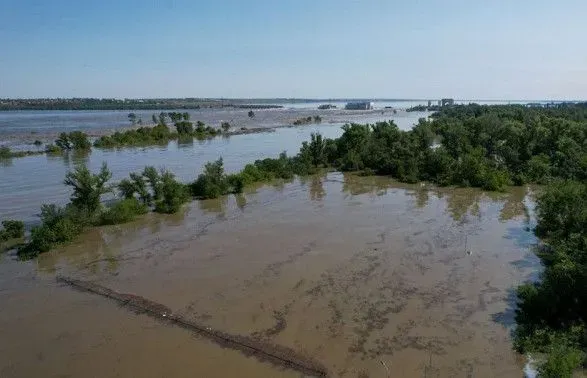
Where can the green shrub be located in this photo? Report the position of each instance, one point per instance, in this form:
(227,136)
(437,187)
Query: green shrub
(184,128)
(153,179)
(173,194)
(75,140)
(495,180)
(59,225)
(212,182)
(561,361)
(5,152)
(159,134)
(251,174)
(281,167)
(52,149)
(13,229)
(136,185)
(123,211)
(236,183)
(88,188)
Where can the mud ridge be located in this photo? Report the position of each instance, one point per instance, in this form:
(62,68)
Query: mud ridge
(277,355)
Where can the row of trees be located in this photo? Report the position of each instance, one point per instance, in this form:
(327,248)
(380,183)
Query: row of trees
(150,189)
(159,134)
(552,313)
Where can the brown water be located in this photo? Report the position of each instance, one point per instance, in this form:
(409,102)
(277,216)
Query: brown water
(350,271)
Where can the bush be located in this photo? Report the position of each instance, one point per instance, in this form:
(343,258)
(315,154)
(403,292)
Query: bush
(5,152)
(173,194)
(184,127)
(136,185)
(59,225)
(76,140)
(53,149)
(495,180)
(13,229)
(236,183)
(225,126)
(88,188)
(561,361)
(251,174)
(212,183)
(123,211)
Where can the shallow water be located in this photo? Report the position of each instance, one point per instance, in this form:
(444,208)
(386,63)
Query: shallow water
(351,271)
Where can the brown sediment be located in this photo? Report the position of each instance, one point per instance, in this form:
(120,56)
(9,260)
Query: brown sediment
(278,355)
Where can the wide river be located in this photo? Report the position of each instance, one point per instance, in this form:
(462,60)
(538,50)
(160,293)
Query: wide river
(360,274)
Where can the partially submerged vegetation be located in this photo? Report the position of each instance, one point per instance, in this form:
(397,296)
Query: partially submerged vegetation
(159,134)
(7,153)
(11,234)
(150,190)
(307,120)
(552,312)
(75,140)
(481,146)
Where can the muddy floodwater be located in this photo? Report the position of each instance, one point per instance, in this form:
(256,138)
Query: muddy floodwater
(360,274)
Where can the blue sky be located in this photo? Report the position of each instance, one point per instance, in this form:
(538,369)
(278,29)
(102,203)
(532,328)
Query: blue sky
(467,49)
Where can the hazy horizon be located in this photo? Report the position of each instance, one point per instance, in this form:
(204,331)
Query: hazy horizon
(470,50)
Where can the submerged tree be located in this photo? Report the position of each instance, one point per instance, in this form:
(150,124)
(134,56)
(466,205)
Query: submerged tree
(88,188)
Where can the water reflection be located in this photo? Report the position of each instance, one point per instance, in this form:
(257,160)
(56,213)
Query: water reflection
(462,202)
(70,158)
(241,200)
(356,185)
(215,205)
(185,142)
(514,205)
(92,252)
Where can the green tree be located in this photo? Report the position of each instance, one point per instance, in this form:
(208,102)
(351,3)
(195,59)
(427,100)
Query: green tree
(173,194)
(88,188)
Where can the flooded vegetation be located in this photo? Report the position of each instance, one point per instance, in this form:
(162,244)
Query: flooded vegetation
(419,276)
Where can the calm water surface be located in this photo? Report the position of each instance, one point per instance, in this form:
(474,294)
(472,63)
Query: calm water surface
(354,271)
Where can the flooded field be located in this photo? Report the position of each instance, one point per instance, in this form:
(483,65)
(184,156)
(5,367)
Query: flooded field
(360,274)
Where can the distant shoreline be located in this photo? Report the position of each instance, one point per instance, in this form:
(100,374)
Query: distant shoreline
(112,104)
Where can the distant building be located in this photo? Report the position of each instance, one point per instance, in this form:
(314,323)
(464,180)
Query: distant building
(364,105)
(429,103)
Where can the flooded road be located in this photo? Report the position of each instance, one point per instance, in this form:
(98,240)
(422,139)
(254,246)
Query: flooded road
(354,272)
